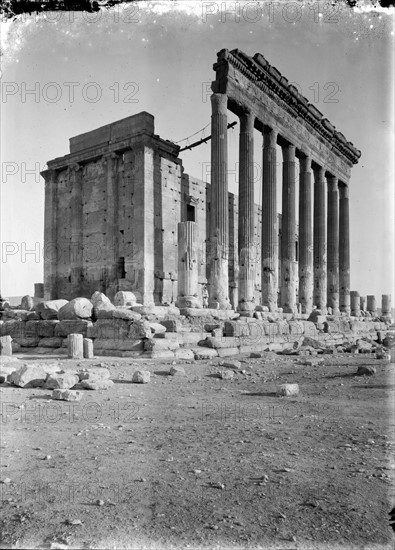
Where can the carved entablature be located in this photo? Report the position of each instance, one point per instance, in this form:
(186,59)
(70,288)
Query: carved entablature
(237,74)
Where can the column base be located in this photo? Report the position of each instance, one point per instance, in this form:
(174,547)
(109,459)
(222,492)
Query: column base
(188,302)
(246,306)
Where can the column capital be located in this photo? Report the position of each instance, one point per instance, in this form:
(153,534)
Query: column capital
(247,119)
(333,183)
(344,191)
(288,152)
(75,167)
(219,103)
(305,163)
(319,172)
(270,137)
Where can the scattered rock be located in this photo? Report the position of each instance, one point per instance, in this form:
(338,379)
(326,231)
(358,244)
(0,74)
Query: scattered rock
(141,377)
(255,355)
(27,303)
(232,364)
(67,395)
(6,481)
(288,390)
(94,373)
(157,328)
(28,376)
(226,374)
(96,384)
(177,371)
(366,370)
(79,308)
(61,381)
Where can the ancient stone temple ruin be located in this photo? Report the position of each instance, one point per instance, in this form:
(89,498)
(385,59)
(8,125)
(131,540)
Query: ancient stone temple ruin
(121,214)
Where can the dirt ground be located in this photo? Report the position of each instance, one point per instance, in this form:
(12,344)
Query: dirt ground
(198,462)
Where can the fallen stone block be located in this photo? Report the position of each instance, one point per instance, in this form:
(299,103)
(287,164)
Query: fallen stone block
(6,370)
(28,376)
(78,308)
(225,374)
(256,355)
(140,329)
(96,384)
(161,312)
(312,343)
(141,377)
(27,303)
(5,346)
(94,373)
(125,298)
(49,309)
(184,354)
(204,353)
(62,381)
(364,346)
(288,390)
(177,371)
(365,370)
(157,328)
(67,395)
(127,314)
(172,325)
(225,342)
(159,354)
(159,344)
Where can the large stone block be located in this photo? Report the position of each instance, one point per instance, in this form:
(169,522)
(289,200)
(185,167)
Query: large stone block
(172,325)
(94,373)
(72,326)
(125,298)
(50,308)
(228,342)
(61,381)
(44,329)
(50,342)
(28,342)
(204,353)
(125,313)
(15,329)
(156,344)
(79,308)
(112,329)
(140,329)
(28,376)
(27,303)
(129,344)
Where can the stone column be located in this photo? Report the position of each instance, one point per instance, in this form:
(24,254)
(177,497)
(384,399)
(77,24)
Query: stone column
(75,346)
(333,245)
(112,240)
(355,303)
(319,244)
(246,249)
(218,287)
(288,233)
(76,252)
(371,304)
(344,250)
(188,295)
(269,241)
(50,235)
(305,236)
(386,305)
(362,303)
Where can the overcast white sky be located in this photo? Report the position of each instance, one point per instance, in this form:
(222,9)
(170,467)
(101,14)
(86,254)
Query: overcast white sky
(161,57)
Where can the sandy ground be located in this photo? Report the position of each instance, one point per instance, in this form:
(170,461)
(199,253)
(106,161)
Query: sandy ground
(198,462)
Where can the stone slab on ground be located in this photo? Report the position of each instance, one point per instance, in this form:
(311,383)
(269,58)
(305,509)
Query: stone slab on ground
(5,346)
(201,353)
(28,376)
(96,384)
(131,344)
(94,373)
(62,381)
(177,371)
(67,395)
(366,370)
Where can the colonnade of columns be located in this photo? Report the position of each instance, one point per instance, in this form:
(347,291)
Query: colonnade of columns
(323,267)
